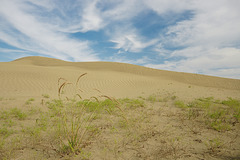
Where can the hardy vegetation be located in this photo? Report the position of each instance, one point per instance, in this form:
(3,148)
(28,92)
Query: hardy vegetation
(153,127)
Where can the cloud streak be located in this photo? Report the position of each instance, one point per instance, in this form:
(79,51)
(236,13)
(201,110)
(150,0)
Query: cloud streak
(36,36)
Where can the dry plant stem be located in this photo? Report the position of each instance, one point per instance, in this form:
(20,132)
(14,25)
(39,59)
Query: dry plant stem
(61,88)
(79,78)
(114,100)
(59,79)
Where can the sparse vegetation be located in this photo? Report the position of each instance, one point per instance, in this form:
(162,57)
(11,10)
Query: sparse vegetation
(45,96)
(141,128)
(29,101)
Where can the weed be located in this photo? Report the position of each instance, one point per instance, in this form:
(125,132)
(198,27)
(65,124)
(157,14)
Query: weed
(152,98)
(173,97)
(29,101)
(193,113)
(5,132)
(17,113)
(180,104)
(214,144)
(132,103)
(45,96)
(232,103)
(4,115)
(73,128)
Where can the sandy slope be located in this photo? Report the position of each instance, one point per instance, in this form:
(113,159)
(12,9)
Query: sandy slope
(34,76)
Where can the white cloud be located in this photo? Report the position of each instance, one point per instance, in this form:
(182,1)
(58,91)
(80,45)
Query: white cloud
(140,61)
(23,30)
(215,62)
(208,41)
(131,43)
(127,39)
(214,23)
(163,6)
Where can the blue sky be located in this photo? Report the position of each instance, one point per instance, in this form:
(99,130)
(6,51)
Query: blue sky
(195,36)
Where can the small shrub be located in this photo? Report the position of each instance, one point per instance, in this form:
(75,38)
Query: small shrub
(29,101)
(45,96)
(232,103)
(133,103)
(5,132)
(214,145)
(17,113)
(152,98)
(180,104)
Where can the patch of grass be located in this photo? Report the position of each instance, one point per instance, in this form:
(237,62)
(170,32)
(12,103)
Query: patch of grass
(155,98)
(17,113)
(202,103)
(45,96)
(193,113)
(180,104)
(5,132)
(13,113)
(214,145)
(152,98)
(132,103)
(4,115)
(73,119)
(232,103)
(29,101)
(72,128)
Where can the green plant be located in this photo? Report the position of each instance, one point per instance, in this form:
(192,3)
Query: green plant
(17,113)
(5,132)
(218,120)
(214,144)
(45,96)
(72,128)
(152,98)
(132,103)
(193,113)
(180,104)
(29,101)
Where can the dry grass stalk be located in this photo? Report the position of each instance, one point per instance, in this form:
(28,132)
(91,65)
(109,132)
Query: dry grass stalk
(80,78)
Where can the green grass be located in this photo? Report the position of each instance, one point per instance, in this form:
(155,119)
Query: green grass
(29,101)
(132,103)
(216,114)
(5,132)
(70,128)
(45,96)
(13,113)
(180,104)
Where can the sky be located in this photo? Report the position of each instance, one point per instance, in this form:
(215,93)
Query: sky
(194,36)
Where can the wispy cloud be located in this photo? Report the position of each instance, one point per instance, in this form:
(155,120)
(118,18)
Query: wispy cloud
(24,31)
(128,40)
(207,42)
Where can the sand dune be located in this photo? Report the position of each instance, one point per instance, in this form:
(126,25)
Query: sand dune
(34,76)
(179,122)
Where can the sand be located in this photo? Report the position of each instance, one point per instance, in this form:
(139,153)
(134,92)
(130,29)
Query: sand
(34,76)
(168,116)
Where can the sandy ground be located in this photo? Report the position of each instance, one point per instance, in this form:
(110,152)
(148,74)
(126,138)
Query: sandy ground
(156,124)
(31,77)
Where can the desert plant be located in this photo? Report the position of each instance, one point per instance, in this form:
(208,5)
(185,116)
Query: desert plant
(45,96)
(29,101)
(73,118)
(180,104)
